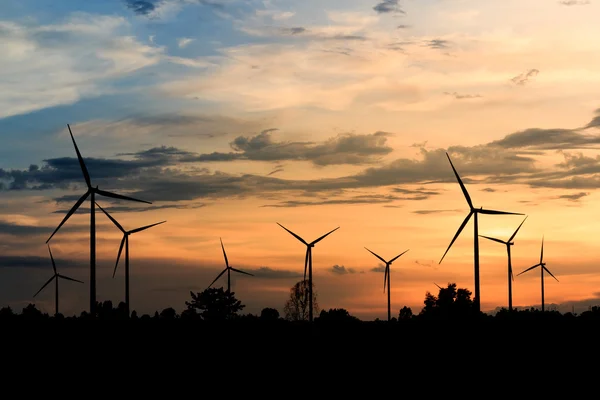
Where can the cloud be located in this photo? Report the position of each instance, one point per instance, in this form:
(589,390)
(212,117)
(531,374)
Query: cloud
(380,268)
(140,7)
(270,273)
(459,96)
(574,2)
(489,190)
(403,26)
(183,42)
(437,44)
(426,212)
(388,6)
(37,262)
(573,197)
(12,229)
(84,54)
(341,270)
(525,77)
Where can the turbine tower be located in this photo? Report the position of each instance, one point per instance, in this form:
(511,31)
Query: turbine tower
(308,263)
(227,269)
(91,192)
(473,212)
(55,276)
(543,268)
(511,277)
(386,277)
(125,241)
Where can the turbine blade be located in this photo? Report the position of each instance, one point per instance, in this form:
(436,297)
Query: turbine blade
(457,233)
(306,261)
(52,258)
(45,284)
(70,279)
(494,239)
(118,196)
(394,259)
(515,234)
(496,212)
(382,260)
(542,252)
(71,211)
(143,228)
(241,272)
(118,225)
(548,271)
(293,234)
(86,174)
(511,274)
(529,269)
(325,235)
(119,254)
(218,276)
(460,182)
(437,285)
(224,255)
(386,275)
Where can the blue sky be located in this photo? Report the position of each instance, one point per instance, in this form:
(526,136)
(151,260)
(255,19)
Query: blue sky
(229,115)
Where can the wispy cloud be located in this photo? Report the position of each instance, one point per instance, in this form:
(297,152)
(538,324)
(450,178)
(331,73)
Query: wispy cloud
(573,197)
(459,96)
(574,2)
(342,270)
(388,6)
(183,42)
(525,77)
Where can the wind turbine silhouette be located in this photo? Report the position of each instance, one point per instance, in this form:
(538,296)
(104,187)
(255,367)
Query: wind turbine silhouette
(308,263)
(92,192)
(386,277)
(125,241)
(473,212)
(511,278)
(227,269)
(543,268)
(55,276)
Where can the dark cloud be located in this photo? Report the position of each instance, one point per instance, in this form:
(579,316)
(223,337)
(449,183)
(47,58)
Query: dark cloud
(550,139)
(341,270)
(380,268)
(37,262)
(525,77)
(437,44)
(573,197)
(403,26)
(489,190)
(270,273)
(459,96)
(8,228)
(114,209)
(426,212)
(276,170)
(294,31)
(141,7)
(418,194)
(388,6)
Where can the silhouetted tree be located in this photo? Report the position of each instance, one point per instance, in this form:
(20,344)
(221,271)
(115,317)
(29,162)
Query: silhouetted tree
(450,302)
(190,314)
(31,312)
(215,304)
(405,313)
(269,314)
(6,313)
(296,307)
(168,313)
(336,315)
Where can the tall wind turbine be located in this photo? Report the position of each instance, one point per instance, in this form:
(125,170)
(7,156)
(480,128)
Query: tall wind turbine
(543,268)
(473,212)
(125,241)
(511,278)
(386,277)
(308,263)
(55,276)
(228,269)
(91,192)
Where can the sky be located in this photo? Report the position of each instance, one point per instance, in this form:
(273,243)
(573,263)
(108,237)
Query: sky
(232,116)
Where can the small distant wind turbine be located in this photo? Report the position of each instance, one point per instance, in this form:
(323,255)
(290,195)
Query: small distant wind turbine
(92,192)
(511,278)
(55,276)
(543,268)
(308,263)
(386,277)
(125,241)
(228,269)
(473,212)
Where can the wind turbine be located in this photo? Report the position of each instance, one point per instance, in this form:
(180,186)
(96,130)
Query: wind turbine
(511,278)
(228,269)
(55,276)
(308,263)
(92,192)
(543,268)
(473,212)
(125,241)
(386,277)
